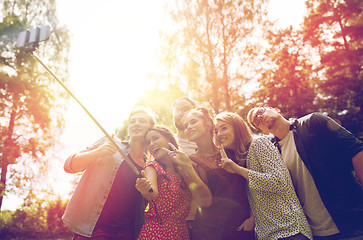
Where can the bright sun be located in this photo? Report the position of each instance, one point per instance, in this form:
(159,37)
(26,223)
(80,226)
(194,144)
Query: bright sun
(113,49)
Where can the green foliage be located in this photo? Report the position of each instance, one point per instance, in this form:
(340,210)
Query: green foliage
(288,80)
(212,48)
(31,103)
(335,29)
(41,220)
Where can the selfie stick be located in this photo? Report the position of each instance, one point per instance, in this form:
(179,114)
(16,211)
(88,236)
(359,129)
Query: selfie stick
(30,39)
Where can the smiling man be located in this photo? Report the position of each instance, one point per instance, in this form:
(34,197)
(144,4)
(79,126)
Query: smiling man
(323,159)
(106,204)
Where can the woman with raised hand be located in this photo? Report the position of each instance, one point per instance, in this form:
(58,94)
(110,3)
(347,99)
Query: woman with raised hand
(174,182)
(228,217)
(275,206)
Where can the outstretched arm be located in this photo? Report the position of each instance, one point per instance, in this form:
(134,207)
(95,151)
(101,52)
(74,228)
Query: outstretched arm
(80,161)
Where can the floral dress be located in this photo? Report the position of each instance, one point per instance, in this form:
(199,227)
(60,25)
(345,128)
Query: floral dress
(165,216)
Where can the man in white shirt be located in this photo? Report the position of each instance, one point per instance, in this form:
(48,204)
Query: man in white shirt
(180,107)
(321,156)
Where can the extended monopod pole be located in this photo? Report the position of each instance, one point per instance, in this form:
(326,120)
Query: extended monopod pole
(90,115)
(30,39)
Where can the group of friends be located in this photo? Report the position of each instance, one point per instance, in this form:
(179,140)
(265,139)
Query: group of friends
(215,180)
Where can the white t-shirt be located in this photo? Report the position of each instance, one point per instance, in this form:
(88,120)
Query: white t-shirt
(317,215)
(187,146)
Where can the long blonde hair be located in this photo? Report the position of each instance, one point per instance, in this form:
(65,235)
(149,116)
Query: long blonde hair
(243,136)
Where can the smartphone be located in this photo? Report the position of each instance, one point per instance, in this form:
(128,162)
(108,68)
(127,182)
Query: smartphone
(33,36)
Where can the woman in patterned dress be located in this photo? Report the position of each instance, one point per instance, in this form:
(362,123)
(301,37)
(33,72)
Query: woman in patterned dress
(276,208)
(228,218)
(169,176)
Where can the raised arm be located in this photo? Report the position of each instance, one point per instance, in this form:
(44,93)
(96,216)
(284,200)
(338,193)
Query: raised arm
(80,161)
(271,173)
(200,191)
(231,166)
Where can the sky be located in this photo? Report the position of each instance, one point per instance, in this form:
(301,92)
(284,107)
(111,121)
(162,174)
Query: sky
(113,49)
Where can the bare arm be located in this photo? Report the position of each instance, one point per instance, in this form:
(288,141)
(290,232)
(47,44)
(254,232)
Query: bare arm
(358,166)
(200,191)
(149,181)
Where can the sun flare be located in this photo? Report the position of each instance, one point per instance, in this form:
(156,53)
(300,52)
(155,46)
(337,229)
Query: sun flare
(113,49)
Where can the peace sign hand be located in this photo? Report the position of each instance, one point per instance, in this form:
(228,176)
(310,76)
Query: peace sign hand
(226,163)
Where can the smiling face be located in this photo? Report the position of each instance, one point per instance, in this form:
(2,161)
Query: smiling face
(225,134)
(155,143)
(138,125)
(195,126)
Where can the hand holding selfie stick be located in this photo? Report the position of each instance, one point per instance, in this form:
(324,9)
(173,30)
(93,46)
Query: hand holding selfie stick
(30,40)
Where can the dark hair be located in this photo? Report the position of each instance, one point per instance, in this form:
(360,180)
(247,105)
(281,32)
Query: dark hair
(144,110)
(204,115)
(163,130)
(243,135)
(187,99)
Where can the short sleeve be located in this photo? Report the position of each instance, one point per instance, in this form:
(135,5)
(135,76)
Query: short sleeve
(158,168)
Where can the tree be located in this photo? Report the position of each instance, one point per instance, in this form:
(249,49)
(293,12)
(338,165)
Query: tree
(335,29)
(41,219)
(212,48)
(288,80)
(31,103)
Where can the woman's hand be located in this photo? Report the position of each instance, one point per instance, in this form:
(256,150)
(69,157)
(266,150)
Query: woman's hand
(200,191)
(226,163)
(143,185)
(248,224)
(180,158)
